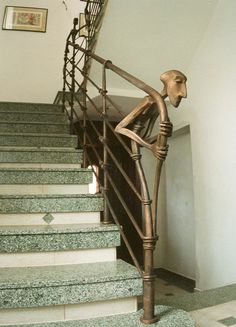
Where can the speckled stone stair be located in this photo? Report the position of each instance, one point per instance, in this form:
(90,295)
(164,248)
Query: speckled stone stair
(39,140)
(30,107)
(33,127)
(49,238)
(22,116)
(45,176)
(58,262)
(50,203)
(69,284)
(40,155)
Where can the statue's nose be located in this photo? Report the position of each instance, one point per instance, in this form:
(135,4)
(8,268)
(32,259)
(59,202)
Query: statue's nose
(184,92)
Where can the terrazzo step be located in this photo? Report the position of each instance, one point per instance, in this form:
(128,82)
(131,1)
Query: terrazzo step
(59,97)
(14,204)
(33,176)
(22,239)
(39,140)
(34,127)
(30,107)
(69,284)
(170,317)
(12,116)
(42,155)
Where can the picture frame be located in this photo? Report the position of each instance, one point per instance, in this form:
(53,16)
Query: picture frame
(83,29)
(95,1)
(25,19)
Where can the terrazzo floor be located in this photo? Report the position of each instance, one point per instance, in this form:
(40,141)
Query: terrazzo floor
(213,308)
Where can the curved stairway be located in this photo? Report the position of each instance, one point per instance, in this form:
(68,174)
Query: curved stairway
(57,261)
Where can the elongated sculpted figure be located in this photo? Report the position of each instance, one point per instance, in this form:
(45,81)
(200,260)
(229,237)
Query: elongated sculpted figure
(138,124)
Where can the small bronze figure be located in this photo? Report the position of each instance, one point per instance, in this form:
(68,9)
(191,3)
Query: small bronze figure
(142,118)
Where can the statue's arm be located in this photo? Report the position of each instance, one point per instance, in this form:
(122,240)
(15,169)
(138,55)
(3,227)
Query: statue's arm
(121,127)
(166,129)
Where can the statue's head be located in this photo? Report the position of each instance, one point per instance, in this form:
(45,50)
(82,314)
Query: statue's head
(174,86)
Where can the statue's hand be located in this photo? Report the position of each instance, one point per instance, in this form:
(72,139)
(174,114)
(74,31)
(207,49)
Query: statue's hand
(166,128)
(160,152)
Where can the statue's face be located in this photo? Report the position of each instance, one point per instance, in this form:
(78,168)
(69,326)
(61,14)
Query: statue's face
(176,89)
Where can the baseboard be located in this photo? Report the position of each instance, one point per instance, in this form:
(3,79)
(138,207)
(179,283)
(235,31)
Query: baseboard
(176,279)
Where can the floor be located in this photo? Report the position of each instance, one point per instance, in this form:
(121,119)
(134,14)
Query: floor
(213,308)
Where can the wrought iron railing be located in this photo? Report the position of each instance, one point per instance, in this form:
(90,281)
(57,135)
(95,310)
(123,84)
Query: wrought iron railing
(90,119)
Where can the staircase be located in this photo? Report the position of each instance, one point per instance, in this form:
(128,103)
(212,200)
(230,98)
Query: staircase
(57,261)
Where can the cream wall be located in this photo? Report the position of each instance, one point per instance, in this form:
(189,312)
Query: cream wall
(197,37)
(31,63)
(149,37)
(210,108)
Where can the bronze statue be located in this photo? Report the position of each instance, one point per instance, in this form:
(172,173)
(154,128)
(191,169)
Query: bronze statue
(142,118)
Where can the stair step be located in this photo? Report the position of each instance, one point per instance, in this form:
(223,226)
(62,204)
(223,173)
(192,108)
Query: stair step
(57,237)
(45,176)
(30,107)
(42,155)
(50,203)
(69,284)
(34,127)
(39,140)
(170,317)
(33,117)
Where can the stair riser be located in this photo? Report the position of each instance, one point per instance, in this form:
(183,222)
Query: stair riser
(71,294)
(35,259)
(40,157)
(46,177)
(68,312)
(32,117)
(39,141)
(44,205)
(34,128)
(43,189)
(59,219)
(29,107)
(58,242)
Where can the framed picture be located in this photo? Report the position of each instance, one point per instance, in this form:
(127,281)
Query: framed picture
(83,29)
(25,19)
(95,1)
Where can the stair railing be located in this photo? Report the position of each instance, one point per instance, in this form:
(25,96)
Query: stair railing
(82,109)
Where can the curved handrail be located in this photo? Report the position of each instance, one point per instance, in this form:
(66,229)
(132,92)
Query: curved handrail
(78,96)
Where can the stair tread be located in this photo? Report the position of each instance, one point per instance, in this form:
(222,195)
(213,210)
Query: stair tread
(78,170)
(39,134)
(66,275)
(45,196)
(29,103)
(38,149)
(44,203)
(33,113)
(45,176)
(29,107)
(32,122)
(56,229)
(50,238)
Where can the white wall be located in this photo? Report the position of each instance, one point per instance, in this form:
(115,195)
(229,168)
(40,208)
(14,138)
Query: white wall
(175,249)
(178,225)
(212,113)
(31,63)
(197,37)
(150,37)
